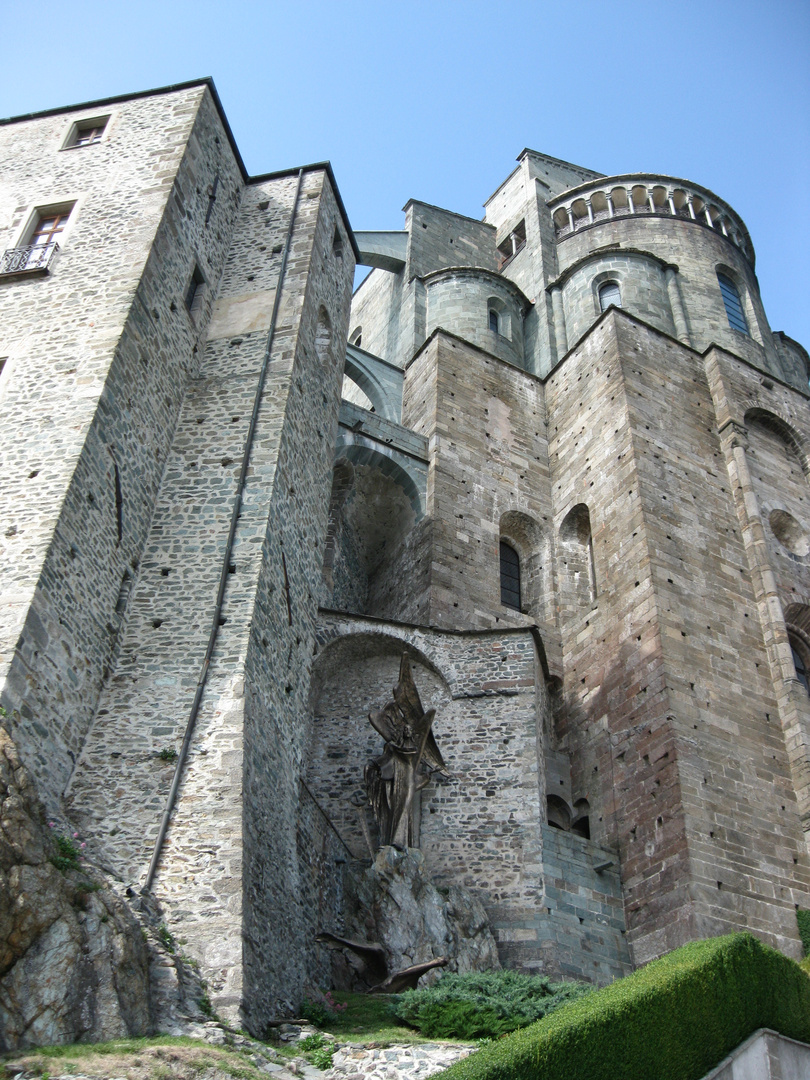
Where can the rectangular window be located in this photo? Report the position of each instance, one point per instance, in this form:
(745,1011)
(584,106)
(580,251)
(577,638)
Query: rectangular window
(86,132)
(41,243)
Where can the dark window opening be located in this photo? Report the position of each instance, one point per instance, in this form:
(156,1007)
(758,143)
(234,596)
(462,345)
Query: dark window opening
(194,290)
(733,304)
(512,244)
(510,576)
(802,669)
(493,321)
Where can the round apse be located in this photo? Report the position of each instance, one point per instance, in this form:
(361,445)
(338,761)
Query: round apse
(789,532)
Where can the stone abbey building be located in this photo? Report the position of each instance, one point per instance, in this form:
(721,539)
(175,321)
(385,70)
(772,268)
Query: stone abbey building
(556,456)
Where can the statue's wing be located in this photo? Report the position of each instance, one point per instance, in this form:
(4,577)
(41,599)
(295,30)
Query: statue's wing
(387,723)
(406,694)
(432,756)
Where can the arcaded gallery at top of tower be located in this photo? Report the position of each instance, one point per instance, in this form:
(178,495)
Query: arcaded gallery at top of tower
(555,458)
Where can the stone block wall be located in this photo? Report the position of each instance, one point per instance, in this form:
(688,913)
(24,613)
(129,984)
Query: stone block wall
(667,716)
(100,351)
(485,422)
(698,252)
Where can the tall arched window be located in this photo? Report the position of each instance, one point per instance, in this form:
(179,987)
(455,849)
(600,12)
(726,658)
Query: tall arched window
(493,321)
(609,293)
(732,302)
(510,576)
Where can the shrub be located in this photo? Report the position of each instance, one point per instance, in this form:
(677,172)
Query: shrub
(674,1019)
(803,919)
(483,1003)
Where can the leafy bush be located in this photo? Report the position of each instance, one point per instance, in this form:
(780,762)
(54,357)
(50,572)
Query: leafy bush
(803,919)
(674,1019)
(483,1003)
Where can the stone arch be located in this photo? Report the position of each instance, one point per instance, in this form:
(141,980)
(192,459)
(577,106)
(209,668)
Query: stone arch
(531,542)
(558,813)
(581,819)
(769,420)
(497,307)
(374,507)
(576,562)
(381,386)
(353,674)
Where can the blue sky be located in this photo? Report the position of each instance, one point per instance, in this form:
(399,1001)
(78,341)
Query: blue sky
(434,100)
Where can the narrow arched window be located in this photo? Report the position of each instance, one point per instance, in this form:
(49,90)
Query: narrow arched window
(510,576)
(609,293)
(733,304)
(493,320)
(799,662)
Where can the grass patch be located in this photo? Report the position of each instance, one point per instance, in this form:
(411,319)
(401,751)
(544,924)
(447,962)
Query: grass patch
(369,1018)
(164,1057)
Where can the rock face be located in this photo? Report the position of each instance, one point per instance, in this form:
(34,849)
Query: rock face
(74,965)
(393,902)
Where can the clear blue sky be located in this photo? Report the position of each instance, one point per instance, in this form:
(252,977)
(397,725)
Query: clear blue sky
(434,99)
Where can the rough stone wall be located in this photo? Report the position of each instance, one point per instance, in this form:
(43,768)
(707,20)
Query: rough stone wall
(97,368)
(485,422)
(668,739)
(306,377)
(203,874)
(376,311)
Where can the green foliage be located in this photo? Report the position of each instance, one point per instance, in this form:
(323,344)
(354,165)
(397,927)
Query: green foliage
(674,1019)
(317,1050)
(483,1003)
(67,853)
(168,753)
(314,1011)
(166,938)
(803,919)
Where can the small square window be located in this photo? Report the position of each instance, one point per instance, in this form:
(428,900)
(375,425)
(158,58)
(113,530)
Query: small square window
(86,132)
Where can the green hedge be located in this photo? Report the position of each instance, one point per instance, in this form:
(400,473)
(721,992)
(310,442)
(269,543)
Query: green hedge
(803,919)
(674,1019)
(478,1003)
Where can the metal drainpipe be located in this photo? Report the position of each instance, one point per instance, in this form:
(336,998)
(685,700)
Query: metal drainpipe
(223,577)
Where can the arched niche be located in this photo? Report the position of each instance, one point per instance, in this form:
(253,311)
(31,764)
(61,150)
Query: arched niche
(777,463)
(577,572)
(374,507)
(531,542)
(351,676)
(558,813)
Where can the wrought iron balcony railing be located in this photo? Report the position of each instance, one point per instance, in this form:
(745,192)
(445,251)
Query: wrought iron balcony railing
(23,260)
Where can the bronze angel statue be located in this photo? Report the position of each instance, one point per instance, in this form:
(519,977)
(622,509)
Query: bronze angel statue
(394,779)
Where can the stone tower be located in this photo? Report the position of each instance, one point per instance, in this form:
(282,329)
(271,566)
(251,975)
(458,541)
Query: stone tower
(562,464)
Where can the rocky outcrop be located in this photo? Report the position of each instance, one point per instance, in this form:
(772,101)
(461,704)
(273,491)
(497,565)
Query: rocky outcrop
(74,965)
(393,902)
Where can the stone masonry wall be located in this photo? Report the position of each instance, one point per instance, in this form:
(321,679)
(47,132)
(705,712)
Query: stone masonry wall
(92,396)
(146,707)
(698,253)
(485,421)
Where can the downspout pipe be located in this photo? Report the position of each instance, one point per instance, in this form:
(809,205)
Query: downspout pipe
(223,577)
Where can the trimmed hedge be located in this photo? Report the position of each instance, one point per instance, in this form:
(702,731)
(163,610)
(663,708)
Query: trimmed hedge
(478,1003)
(674,1019)
(803,919)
